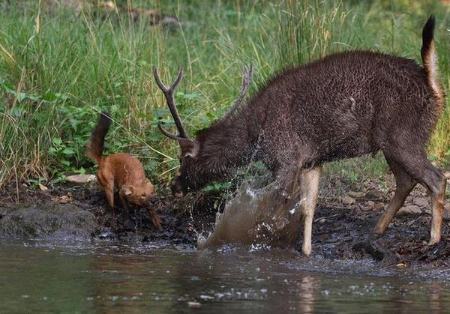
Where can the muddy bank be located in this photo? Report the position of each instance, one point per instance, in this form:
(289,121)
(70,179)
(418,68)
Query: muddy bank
(341,230)
(80,213)
(64,221)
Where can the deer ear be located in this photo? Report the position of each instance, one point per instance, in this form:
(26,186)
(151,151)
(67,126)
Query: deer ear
(188,147)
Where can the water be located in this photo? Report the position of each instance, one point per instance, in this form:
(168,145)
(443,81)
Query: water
(154,278)
(257,216)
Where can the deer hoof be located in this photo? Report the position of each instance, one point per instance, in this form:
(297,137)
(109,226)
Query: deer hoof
(306,250)
(433,242)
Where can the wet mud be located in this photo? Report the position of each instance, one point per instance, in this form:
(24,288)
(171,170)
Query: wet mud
(341,230)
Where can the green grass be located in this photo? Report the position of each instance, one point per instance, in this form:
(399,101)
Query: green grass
(58,70)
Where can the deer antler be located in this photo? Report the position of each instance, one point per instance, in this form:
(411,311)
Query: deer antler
(166,133)
(246,80)
(168,94)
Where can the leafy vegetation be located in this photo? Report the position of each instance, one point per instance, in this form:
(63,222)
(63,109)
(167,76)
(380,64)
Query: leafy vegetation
(59,69)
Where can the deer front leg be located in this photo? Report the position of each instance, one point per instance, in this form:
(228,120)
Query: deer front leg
(302,186)
(309,183)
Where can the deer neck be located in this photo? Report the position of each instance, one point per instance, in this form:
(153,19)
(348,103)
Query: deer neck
(227,143)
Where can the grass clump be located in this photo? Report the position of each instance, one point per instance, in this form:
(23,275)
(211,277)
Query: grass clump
(59,69)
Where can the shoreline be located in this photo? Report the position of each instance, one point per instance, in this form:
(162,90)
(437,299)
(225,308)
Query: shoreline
(341,230)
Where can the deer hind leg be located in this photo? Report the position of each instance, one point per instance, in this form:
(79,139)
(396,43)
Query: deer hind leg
(419,167)
(404,184)
(436,184)
(309,193)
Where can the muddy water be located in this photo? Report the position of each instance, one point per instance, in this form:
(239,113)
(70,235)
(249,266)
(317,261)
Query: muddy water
(263,216)
(154,278)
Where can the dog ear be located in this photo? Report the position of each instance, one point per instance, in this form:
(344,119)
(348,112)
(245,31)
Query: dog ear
(148,182)
(150,186)
(127,190)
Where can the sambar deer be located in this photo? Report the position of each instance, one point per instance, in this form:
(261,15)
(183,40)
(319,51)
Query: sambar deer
(342,106)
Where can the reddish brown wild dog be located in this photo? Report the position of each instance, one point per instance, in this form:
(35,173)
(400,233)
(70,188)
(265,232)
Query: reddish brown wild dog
(342,106)
(120,172)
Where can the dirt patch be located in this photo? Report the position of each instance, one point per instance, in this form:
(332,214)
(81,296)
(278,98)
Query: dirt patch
(342,225)
(30,212)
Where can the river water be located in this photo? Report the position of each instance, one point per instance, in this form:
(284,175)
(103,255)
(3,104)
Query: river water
(158,278)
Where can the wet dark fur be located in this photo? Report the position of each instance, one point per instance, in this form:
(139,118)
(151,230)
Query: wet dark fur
(342,106)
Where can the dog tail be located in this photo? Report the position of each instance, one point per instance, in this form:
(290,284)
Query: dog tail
(94,148)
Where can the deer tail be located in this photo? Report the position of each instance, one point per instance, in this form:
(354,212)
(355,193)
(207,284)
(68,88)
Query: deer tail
(94,148)
(429,59)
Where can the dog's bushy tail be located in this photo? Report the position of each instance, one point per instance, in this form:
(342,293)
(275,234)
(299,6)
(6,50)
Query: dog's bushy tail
(94,148)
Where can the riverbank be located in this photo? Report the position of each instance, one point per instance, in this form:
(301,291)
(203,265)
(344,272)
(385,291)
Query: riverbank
(342,226)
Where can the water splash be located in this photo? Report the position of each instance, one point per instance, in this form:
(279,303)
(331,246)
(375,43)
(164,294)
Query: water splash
(258,217)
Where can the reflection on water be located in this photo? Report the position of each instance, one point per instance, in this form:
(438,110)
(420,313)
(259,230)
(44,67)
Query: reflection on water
(115,279)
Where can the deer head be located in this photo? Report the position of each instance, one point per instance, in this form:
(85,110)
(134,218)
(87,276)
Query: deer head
(193,174)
